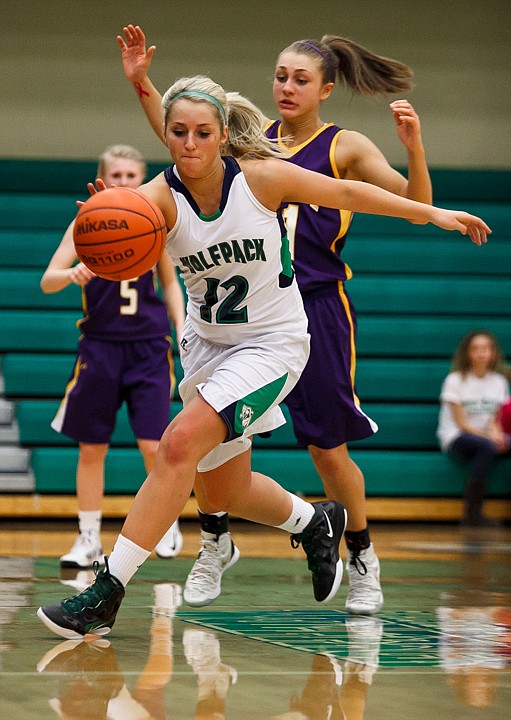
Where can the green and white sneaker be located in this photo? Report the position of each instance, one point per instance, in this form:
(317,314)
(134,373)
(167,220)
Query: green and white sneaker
(92,611)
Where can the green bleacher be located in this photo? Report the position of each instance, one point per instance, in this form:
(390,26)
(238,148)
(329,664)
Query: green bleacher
(417,290)
(374,295)
(409,426)
(388,473)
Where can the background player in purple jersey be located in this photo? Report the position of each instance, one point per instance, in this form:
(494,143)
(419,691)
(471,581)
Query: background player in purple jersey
(304,78)
(124,354)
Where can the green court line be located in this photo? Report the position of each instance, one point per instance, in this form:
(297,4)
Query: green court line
(409,639)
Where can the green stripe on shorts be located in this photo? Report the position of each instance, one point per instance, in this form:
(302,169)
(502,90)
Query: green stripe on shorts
(251,407)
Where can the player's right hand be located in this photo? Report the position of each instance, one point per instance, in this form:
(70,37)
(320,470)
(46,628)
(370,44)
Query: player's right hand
(80,274)
(136,60)
(94,188)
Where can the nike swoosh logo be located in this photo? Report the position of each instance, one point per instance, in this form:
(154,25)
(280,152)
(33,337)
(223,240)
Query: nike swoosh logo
(330,532)
(297,521)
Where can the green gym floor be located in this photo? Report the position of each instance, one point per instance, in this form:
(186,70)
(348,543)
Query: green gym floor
(440,649)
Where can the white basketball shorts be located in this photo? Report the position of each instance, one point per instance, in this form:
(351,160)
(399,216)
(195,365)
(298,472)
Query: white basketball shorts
(244,384)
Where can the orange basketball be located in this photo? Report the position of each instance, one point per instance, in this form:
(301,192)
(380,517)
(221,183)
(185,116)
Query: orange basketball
(119,233)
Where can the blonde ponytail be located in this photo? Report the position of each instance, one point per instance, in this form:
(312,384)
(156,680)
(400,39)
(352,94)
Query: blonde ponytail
(246,136)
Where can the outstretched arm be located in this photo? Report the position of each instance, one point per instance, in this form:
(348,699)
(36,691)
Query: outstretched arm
(62,270)
(136,60)
(277,181)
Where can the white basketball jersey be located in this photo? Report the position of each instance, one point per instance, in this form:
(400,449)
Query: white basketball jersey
(235,265)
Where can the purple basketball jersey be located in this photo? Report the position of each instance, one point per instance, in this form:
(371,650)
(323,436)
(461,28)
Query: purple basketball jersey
(123,311)
(316,235)
(324,406)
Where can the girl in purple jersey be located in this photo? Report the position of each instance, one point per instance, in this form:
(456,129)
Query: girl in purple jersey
(124,354)
(304,78)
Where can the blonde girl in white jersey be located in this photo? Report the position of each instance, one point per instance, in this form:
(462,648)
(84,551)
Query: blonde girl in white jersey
(237,384)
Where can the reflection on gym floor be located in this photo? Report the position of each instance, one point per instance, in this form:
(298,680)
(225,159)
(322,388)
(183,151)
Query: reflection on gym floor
(441,647)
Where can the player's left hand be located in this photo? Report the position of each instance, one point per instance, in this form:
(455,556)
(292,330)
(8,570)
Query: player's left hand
(464,222)
(408,124)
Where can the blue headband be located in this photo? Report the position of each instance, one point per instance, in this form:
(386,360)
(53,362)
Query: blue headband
(326,58)
(206,96)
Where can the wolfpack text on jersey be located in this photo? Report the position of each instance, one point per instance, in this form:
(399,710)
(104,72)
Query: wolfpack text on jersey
(240,285)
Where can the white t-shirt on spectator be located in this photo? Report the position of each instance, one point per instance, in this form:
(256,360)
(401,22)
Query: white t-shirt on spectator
(480,397)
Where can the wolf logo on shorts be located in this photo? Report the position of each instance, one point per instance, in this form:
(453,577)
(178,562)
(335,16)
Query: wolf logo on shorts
(246,415)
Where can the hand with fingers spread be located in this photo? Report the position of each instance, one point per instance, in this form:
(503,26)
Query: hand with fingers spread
(94,188)
(98,186)
(136,59)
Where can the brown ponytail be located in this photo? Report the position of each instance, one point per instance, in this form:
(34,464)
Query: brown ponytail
(357,68)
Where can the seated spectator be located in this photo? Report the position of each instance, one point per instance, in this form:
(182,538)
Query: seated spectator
(472,396)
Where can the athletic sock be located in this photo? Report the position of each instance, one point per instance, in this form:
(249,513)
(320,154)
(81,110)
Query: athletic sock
(125,559)
(300,517)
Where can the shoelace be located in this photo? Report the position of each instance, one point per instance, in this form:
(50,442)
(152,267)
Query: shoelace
(205,564)
(358,564)
(310,545)
(367,580)
(83,539)
(85,542)
(91,596)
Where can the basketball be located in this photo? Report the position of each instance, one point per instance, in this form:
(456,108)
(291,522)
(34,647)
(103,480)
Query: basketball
(119,234)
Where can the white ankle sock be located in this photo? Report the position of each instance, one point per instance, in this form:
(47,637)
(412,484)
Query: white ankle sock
(300,517)
(89,520)
(125,559)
